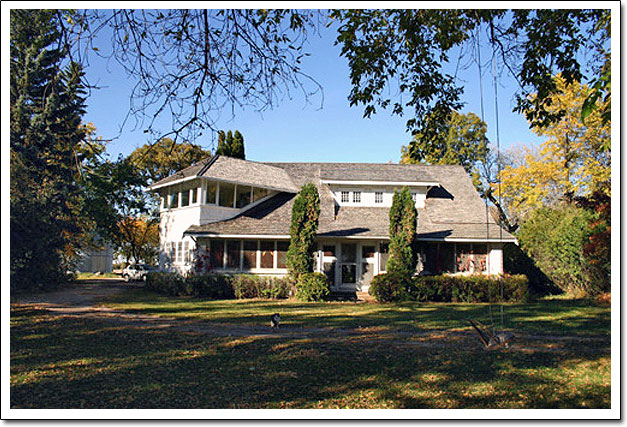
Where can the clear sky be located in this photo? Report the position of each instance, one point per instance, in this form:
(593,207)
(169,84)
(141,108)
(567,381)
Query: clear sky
(296,131)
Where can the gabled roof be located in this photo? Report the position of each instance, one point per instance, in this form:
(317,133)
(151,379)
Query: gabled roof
(453,210)
(229,169)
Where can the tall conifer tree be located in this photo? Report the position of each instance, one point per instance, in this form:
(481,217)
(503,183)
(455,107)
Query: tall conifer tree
(403,218)
(47,103)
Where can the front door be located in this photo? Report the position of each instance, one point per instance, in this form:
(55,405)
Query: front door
(348,266)
(368,258)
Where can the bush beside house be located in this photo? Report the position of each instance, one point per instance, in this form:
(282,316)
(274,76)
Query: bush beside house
(393,288)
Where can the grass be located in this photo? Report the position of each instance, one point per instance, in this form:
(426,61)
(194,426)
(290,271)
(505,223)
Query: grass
(549,317)
(74,362)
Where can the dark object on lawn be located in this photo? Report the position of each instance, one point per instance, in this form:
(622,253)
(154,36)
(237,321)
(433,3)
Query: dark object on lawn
(488,338)
(275,319)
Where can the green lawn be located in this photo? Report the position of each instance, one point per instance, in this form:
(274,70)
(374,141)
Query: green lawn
(76,362)
(547,317)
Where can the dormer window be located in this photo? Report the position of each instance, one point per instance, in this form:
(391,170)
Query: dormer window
(356,196)
(345,196)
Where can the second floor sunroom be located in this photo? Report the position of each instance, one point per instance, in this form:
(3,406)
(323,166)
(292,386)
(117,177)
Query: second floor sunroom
(224,182)
(211,193)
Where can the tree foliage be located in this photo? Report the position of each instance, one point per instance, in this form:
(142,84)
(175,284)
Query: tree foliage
(417,52)
(572,162)
(403,219)
(231,145)
(160,160)
(46,106)
(305,214)
(138,238)
(555,238)
(461,141)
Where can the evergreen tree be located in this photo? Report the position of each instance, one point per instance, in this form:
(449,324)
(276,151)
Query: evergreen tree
(230,144)
(237,147)
(305,214)
(47,102)
(403,218)
(224,149)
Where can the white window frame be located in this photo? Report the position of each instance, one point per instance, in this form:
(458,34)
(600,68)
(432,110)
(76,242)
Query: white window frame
(356,196)
(378,197)
(344,199)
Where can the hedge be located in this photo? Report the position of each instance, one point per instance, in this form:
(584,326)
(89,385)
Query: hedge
(219,286)
(251,286)
(388,288)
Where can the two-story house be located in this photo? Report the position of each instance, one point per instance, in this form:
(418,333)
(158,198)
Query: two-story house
(232,216)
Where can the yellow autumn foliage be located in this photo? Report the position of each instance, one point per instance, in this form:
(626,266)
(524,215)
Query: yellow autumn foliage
(572,159)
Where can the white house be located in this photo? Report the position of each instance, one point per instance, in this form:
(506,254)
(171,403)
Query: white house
(230,215)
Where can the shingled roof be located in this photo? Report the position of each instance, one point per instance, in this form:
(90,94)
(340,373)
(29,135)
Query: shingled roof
(229,169)
(453,210)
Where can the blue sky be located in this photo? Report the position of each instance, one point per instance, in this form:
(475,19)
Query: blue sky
(296,131)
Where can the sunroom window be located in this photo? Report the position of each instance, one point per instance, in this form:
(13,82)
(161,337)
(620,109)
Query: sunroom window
(210,195)
(243,196)
(259,193)
(227,194)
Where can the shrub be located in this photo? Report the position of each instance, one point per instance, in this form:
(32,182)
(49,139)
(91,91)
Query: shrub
(170,284)
(251,286)
(312,287)
(556,239)
(214,286)
(211,286)
(515,262)
(388,287)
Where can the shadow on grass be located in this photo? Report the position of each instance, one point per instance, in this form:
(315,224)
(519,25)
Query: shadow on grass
(81,363)
(550,317)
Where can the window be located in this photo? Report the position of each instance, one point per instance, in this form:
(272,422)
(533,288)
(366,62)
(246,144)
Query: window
(413,197)
(195,195)
(210,195)
(172,201)
(281,258)
(243,196)
(378,197)
(367,251)
(250,254)
(185,197)
(232,254)
(344,197)
(328,250)
(186,252)
(216,257)
(328,268)
(267,254)
(259,193)
(179,252)
(471,257)
(440,258)
(227,194)
(356,196)
(383,256)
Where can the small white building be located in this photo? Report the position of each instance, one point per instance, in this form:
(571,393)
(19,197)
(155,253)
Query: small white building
(233,216)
